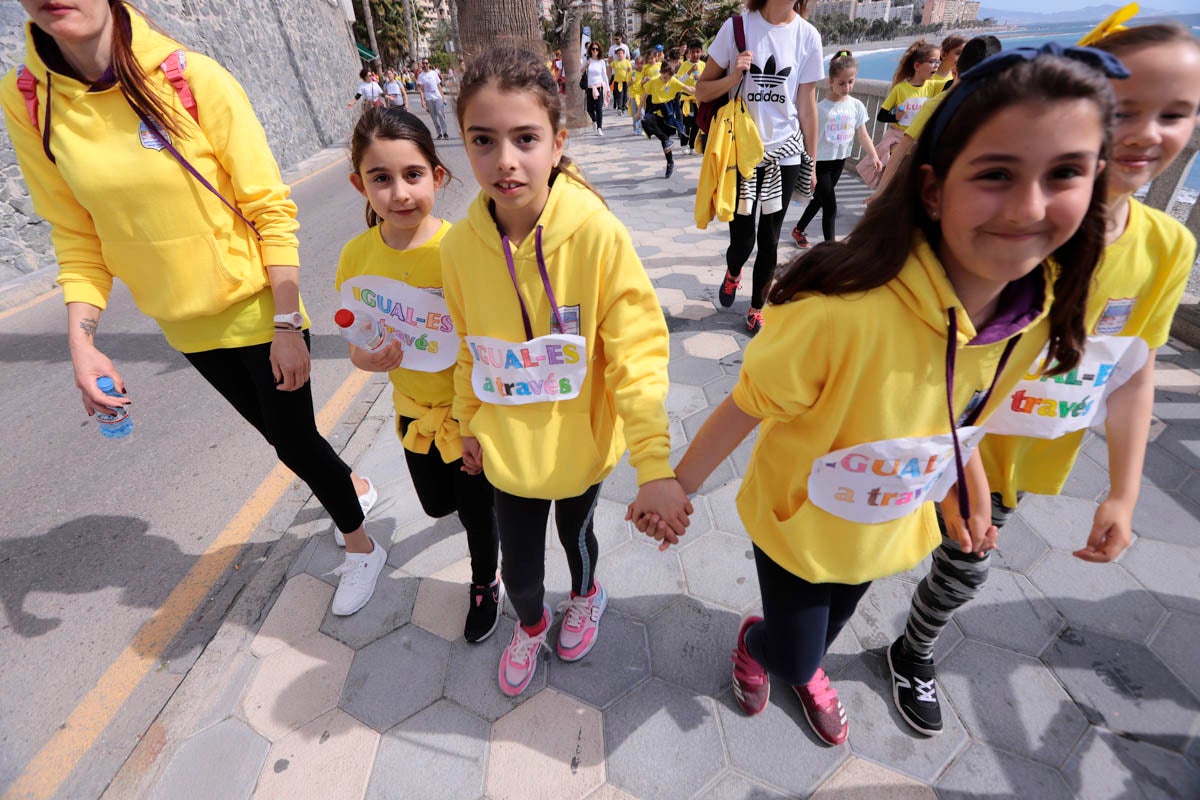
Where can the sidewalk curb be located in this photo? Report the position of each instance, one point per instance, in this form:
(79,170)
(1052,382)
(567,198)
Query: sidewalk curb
(211,675)
(1186,327)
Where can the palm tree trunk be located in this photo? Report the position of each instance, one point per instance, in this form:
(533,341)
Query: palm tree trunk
(573,100)
(499,23)
(412,30)
(369,21)
(619,20)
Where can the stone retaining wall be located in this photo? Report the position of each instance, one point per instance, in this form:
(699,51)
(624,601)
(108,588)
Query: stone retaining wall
(295,59)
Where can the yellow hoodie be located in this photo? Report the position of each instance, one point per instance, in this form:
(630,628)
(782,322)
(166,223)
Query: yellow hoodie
(837,371)
(120,206)
(733,147)
(556,450)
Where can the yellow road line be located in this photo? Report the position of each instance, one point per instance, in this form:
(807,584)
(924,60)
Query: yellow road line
(343,161)
(41,298)
(47,771)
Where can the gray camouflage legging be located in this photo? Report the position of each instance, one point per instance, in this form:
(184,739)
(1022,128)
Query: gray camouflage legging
(954,579)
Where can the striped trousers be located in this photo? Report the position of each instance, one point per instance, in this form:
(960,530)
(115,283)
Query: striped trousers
(953,581)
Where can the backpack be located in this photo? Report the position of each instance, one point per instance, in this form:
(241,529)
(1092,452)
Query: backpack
(707,109)
(173,67)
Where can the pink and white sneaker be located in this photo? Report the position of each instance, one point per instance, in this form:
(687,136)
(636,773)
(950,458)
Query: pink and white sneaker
(581,623)
(751,684)
(519,660)
(825,712)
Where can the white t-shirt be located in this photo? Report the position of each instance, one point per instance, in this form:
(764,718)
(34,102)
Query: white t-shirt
(428,82)
(836,126)
(597,72)
(369,91)
(784,57)
(392,88)
(612,50)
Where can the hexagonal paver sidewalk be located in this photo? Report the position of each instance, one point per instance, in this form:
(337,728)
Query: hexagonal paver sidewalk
(1063,680)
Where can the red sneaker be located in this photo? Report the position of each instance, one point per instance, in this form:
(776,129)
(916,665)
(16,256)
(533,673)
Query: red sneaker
(751,684)
(728,290)
(799,238)
(754,321)
(825,712)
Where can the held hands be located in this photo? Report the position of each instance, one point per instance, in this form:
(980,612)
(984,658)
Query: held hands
(472,455)
(90,365)
(976,535)
(1112,532)
(289,360)
(661,510)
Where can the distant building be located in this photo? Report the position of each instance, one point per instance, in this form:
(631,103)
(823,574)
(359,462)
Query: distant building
(904,14)
(833,8)
(934,12)
(873,9)
(970,11)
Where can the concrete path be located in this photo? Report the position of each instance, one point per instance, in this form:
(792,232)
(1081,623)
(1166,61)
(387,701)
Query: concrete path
(1064,680)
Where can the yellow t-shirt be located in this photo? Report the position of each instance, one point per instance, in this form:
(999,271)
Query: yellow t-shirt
(420,267)
(661,91)
(622,70)
(1135,292)
(906,100)
(690,73)
(917,126)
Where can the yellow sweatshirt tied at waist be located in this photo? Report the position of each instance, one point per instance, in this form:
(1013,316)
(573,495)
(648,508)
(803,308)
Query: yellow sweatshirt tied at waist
(431,425)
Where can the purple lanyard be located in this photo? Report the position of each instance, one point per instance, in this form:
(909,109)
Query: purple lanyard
(541,262)
(964,497)
(166,142)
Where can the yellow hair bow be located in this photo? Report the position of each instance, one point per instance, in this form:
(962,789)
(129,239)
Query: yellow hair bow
(1113,23)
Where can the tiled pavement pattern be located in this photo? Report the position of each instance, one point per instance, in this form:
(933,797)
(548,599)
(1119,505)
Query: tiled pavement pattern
(1064,680)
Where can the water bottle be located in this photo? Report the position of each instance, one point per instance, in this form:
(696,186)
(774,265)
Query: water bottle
(361,330)
(118,424)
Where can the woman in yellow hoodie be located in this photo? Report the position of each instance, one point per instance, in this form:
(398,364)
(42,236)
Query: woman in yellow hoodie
(893,346)
(564,351)
(150,166)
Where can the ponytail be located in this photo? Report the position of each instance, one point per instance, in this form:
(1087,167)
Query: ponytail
(130,78)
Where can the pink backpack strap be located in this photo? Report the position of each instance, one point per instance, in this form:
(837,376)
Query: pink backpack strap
(173,68)
(27,84)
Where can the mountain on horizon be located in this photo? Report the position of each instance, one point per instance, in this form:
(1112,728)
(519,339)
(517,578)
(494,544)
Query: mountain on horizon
(1086,14)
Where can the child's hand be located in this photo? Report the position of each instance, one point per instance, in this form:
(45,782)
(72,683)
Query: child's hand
(385,359)
(877,165)
(472,455)
(976,535)
(1112,532)
(661,509)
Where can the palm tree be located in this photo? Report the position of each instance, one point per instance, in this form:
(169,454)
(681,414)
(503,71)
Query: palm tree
(490,23)
(675,22)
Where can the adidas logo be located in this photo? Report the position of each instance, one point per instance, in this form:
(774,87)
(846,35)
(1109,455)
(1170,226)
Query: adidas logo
(767,77)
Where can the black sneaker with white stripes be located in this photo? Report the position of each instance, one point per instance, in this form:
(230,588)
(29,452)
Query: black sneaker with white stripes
(914,690)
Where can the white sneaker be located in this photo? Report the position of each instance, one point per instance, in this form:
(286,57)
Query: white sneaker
(367,502)
(358,575)
(599,131)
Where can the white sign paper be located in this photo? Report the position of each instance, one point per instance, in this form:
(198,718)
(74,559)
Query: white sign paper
(887,480)
(417,317)
(543,370)
(1047,408)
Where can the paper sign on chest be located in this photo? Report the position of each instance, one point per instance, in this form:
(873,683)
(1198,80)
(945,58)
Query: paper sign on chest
(887,480)
(419,318)
(542,370)
(1047,408)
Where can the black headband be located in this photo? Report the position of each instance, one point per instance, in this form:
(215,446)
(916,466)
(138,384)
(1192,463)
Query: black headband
(972,79)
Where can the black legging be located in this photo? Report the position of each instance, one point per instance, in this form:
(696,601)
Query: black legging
(824,199)
(443,489)
(742,237)
(243,377)
(800,620)
(620,96)
(595,106)
(522,524)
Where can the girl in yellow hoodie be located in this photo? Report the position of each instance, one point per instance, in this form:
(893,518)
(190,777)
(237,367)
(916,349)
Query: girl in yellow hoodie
(887,351)
(564,351)
(116,154)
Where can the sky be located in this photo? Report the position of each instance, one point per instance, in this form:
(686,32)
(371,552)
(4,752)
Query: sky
(1051,6)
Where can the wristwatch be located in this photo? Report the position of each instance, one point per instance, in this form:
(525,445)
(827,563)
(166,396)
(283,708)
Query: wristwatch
(293,320)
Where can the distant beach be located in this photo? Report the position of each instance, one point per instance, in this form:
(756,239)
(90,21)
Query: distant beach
(902,42)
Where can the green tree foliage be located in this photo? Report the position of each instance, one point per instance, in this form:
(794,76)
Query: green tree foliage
(391,29)
(672,23)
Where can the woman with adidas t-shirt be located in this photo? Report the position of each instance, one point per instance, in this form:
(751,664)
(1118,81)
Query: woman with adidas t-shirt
(178,195)
(776,76)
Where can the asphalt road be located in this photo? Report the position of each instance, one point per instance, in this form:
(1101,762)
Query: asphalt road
(95,534)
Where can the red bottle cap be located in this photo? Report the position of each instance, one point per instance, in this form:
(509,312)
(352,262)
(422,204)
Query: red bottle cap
(344,318)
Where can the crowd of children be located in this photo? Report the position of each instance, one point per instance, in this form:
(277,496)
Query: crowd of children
(1006,247)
